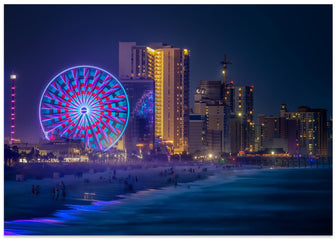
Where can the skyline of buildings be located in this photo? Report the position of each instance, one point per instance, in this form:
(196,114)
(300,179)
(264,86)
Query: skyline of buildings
(222,119)
(272,58)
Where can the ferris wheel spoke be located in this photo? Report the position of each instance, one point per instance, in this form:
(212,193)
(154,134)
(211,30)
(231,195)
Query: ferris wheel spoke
(94,132)
(69,129)
(101,131)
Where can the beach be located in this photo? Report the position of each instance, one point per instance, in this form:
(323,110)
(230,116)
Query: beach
(222,201)
(99,182)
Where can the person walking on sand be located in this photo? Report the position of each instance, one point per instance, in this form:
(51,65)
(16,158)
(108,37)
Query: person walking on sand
(53,192)
(37,190)
(63,193)
(62,185)
(57,193)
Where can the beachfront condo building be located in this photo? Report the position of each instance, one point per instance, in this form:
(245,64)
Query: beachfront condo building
(241,102)
(278,134)
(168,67)
(229,116)
(312,130)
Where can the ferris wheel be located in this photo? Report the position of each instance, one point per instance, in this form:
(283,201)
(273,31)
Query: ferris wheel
(86,103)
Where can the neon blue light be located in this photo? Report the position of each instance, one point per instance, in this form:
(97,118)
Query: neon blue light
(72,106)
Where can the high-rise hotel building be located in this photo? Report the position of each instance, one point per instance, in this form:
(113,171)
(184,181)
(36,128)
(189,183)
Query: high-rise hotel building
(312,129)
(229,116)
(169,68)
(241,102)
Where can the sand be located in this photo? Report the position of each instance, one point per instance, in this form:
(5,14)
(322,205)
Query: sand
(21,203)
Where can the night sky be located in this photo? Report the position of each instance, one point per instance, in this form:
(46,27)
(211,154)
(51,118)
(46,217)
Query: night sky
(284,51)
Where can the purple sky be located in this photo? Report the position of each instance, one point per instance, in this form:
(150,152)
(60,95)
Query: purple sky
(284,51)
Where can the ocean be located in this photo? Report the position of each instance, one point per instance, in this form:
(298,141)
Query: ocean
(234,202)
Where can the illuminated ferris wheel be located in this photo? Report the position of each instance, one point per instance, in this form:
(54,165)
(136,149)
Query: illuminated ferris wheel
(86,103)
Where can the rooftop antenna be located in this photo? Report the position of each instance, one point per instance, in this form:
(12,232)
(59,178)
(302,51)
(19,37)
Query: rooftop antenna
(224,64)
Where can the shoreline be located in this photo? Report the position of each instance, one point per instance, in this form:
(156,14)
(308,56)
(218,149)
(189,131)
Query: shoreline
(20,203)
(92,186)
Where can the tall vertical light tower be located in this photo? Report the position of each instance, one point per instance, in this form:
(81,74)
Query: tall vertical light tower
(12,116)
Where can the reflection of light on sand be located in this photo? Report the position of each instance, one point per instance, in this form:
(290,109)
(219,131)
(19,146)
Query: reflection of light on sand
(9,233)
(37,220)
(61,217)
(104,203)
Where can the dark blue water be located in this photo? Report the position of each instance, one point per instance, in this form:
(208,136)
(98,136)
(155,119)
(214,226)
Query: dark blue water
(267,202)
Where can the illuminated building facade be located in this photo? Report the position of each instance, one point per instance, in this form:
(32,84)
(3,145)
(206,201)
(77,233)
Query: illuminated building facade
(312,128)
(12,116)
(241,102)
(278,132)
(171,75)
(133,61)
(140,130)
(169,68)
(208,101)
(230,126)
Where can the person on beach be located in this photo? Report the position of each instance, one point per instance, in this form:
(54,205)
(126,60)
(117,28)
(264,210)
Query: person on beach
(57,193)
(33,190)
(62,185)
(37,190)
(63,193)
(53,192)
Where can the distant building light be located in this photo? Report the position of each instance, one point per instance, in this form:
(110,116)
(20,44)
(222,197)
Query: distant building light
(13,76)
(150,50)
